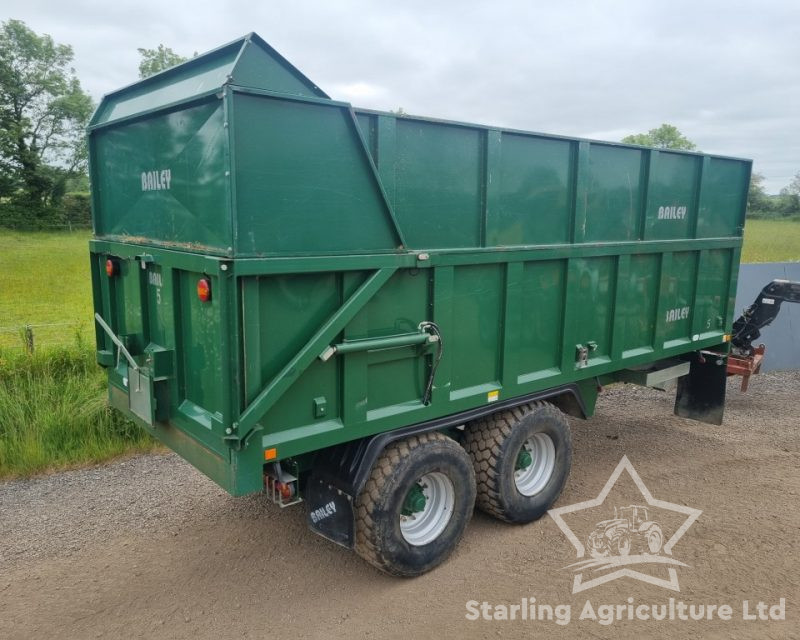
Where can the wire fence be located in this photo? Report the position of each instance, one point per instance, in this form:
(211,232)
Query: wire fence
(35,336)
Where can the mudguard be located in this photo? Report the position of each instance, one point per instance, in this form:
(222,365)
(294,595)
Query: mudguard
(701,394)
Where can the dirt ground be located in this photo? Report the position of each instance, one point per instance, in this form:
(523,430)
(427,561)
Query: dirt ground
(148,548)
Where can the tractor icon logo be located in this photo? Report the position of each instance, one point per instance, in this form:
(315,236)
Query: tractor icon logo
(630,529)
(637,542)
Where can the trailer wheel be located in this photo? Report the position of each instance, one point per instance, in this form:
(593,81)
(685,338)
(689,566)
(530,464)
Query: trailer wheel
(522,457)
(415,505)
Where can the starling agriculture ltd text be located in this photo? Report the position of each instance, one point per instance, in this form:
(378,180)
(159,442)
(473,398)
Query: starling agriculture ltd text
(606,614)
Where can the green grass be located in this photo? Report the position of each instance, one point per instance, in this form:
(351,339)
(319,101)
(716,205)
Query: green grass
(53,412)
(771,241)
(45,280)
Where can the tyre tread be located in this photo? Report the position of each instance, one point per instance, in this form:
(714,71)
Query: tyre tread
(483,439)
(366,535)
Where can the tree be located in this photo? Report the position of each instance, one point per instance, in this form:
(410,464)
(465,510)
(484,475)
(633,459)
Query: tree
(43,113)
(664,137)
(155,60)
(790,196)
(793,188)
(757,198)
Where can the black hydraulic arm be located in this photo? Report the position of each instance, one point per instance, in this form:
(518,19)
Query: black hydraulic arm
(761,313)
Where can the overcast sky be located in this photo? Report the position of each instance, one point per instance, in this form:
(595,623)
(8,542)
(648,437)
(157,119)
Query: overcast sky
(727,74)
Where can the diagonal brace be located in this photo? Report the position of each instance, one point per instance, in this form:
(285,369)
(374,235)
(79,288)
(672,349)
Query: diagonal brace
(265,400)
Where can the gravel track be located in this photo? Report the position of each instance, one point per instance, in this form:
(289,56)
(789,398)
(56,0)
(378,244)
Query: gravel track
(147,547)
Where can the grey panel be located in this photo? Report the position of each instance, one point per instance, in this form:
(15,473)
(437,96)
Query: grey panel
(782,337)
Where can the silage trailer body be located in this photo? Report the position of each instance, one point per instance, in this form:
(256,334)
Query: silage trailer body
(346,255)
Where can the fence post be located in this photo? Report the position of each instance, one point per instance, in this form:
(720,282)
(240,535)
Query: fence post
(28,338)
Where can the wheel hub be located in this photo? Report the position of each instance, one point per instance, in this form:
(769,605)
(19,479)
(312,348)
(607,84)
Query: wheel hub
(427,508)
(415,500)
(535,464)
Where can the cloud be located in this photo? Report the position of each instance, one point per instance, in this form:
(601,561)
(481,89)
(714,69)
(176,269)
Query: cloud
(357,91)
(725,74)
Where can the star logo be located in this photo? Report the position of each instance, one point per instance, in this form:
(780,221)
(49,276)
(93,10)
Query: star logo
(632,535)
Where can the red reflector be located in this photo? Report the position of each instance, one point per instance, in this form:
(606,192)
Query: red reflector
(285,489)
(111,268)
(204,290)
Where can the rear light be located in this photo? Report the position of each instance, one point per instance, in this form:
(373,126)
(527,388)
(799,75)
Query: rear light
(112,268)
(281,492)
(204,290)
(286,490)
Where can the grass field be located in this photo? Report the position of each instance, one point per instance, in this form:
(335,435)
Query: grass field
(52,404)
(45,280)
(53,411)
(771,241)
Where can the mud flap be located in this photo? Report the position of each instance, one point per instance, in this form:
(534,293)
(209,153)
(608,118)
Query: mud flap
(330,511)
(701,394)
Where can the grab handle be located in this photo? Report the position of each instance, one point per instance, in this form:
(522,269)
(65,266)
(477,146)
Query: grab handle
(116,341)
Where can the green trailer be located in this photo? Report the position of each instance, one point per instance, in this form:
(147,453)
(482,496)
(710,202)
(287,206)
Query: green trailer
(384,316)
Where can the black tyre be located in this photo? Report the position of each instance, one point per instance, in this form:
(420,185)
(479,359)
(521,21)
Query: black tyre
(522,457)
(415,505)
